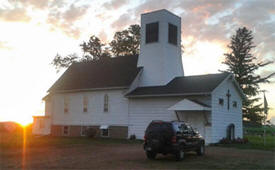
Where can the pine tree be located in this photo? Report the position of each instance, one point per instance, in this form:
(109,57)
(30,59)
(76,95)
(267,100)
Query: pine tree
(243,65)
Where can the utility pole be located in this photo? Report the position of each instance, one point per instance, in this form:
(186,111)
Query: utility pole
(265,115)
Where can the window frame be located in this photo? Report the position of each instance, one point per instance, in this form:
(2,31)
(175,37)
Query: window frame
(106,103)
(148,32)
(85,103)
(221,101)
(66,104)
(68,131)
(101,133)
(170,34)
(235,104)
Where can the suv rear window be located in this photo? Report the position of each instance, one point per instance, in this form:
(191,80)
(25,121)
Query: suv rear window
(160,127)
(182,128)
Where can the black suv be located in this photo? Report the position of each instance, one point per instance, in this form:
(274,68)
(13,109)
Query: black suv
(174,137)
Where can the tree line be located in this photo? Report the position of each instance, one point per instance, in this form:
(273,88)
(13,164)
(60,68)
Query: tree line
(125,42)
(239,61)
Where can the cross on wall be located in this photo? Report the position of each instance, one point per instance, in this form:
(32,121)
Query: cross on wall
(228,95)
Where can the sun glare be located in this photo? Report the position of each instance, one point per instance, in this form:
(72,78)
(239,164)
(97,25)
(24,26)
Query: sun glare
(205,55)
(24,123)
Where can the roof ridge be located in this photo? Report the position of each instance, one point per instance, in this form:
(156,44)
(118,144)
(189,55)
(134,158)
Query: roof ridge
(104,59)
(204,74)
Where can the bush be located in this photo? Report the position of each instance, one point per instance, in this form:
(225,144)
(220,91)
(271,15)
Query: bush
(91,132)
(133,137)
(235,141)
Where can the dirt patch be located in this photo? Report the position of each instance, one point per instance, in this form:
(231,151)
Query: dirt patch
(129,156)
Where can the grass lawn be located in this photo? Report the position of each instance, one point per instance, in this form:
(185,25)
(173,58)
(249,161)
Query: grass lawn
(87,153)
(255,142)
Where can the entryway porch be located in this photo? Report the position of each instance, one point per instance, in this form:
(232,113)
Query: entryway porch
(197,114)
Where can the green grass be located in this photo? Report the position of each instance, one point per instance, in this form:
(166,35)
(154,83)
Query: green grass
(255,142)
(259,130)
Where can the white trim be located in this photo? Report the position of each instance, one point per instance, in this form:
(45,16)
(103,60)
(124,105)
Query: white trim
(104,127)
(188,105)
(135,82)
(91,89)
(169,95)
(159,11)
(238,88)
(88,124)
(234,81)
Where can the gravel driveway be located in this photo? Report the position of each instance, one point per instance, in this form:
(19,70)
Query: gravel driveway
(129,156)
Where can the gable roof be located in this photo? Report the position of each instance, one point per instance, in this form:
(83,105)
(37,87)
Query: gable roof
(189,105)
(186,85)
(104,73)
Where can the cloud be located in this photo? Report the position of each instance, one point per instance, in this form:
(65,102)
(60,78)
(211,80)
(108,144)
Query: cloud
(217,21)
(17,9)
(103,36)
(38,4)
(4,45)
(123,21)
(74,13)
(14,15)
(152,5)
(61,15)
(103,16)
(115,4)
(66,20)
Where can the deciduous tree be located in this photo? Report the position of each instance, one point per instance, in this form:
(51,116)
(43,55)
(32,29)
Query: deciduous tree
(125,42)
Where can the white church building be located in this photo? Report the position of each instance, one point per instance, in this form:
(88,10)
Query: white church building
(120,96)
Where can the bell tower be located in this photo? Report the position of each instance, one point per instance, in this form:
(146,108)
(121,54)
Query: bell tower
(160,48)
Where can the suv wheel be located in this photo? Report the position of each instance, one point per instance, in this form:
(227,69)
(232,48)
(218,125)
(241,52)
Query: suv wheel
(201,150)
(180,155)
(151,155)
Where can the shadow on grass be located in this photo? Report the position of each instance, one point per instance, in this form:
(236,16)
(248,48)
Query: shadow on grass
(15,141)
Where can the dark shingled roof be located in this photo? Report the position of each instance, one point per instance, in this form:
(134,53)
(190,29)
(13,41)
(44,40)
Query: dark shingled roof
(104,73)
(187,85)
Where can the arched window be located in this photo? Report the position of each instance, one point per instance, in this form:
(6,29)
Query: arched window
(85,104)
(106,103)
(231,132)
(66,104)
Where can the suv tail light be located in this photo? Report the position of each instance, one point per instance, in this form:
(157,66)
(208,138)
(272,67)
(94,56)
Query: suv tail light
(145,138)
(174,139)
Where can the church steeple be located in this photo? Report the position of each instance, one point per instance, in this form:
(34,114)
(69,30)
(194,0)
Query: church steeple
(160,48)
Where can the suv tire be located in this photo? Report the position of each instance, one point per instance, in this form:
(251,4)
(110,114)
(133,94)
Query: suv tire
(151,155)
(201,150)
(180,155)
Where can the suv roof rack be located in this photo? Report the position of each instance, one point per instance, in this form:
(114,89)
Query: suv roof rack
(178,121)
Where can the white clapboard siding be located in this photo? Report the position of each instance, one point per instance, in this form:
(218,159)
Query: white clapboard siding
(143,111)
(221,116)
(38,128)
(117,113)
